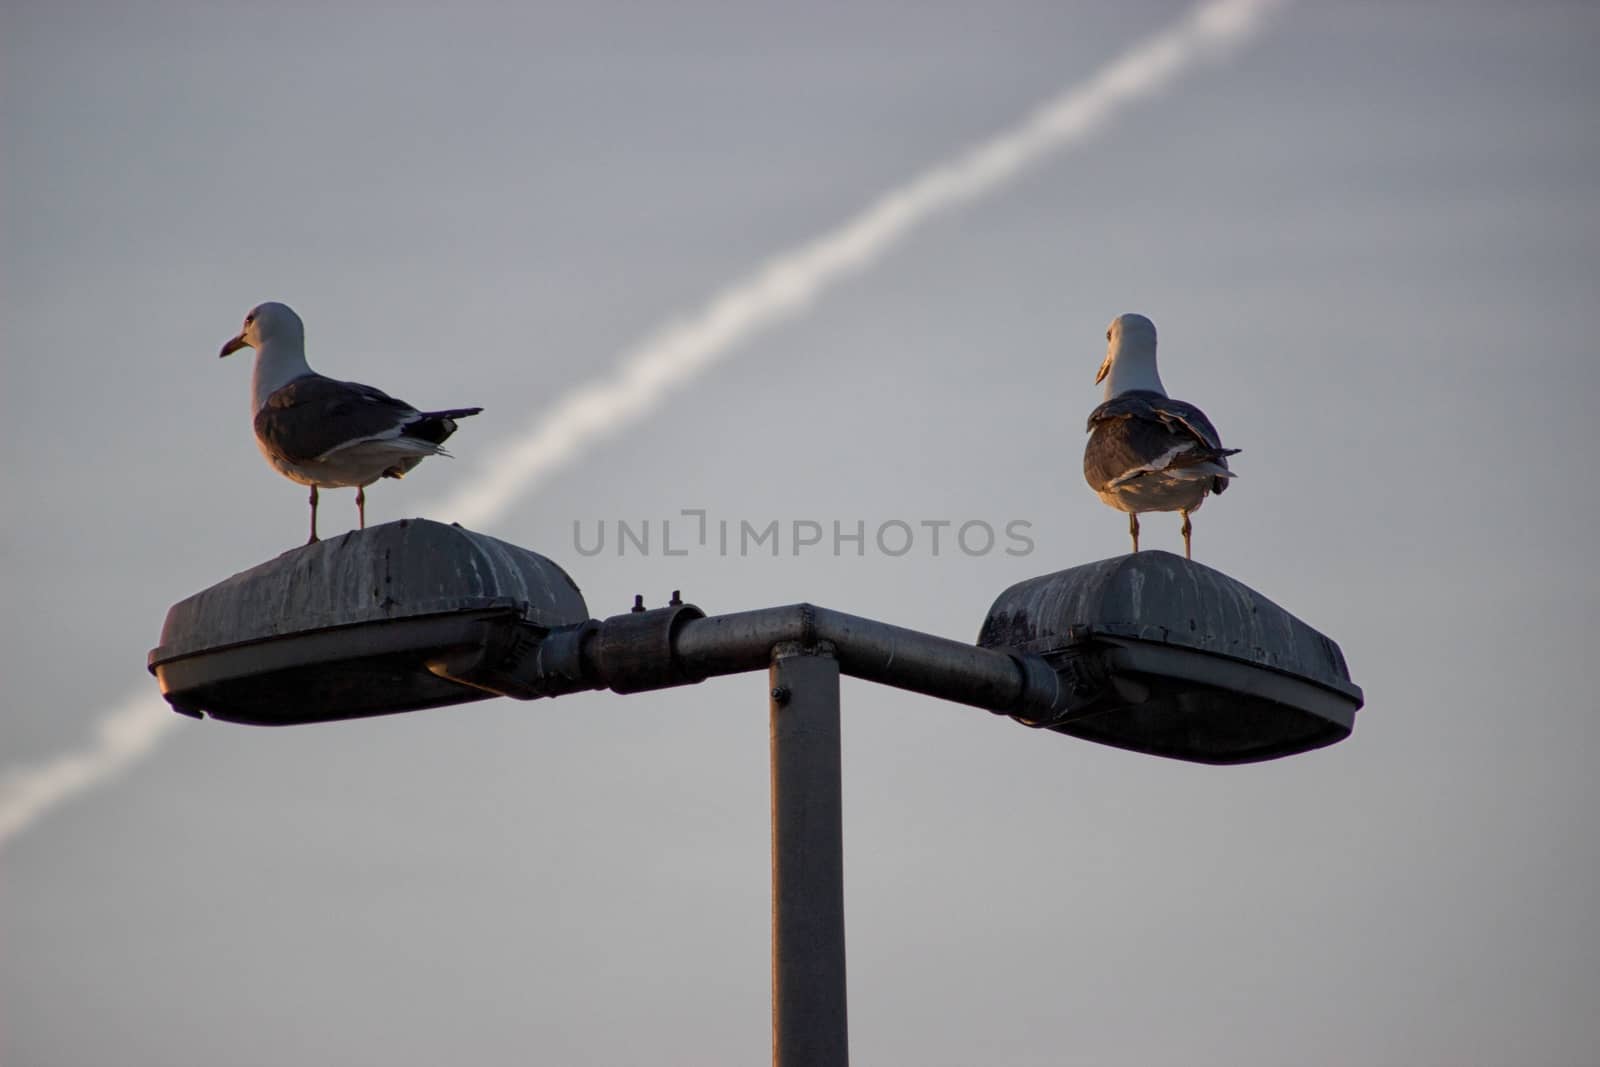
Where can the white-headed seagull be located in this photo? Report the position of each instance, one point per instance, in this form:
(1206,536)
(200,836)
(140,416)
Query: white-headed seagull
(325,433)
(1147,451)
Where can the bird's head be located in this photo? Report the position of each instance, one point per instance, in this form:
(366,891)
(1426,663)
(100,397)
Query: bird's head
(266,322)
(1128,335)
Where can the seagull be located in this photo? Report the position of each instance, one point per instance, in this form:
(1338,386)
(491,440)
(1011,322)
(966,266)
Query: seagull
(325,433)
(1146,451)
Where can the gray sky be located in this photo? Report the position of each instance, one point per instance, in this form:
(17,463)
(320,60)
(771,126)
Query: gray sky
(1369,239)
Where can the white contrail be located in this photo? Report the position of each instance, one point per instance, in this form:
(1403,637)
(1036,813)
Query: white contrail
(679,352)
(786,285)
(120,740)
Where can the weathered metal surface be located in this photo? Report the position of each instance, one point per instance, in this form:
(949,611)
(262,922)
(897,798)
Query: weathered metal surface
(1148,652)
(634,651)
(1169,657)
(1162,597)
(398,570)
(874,651)
(809,1024)
(346,627)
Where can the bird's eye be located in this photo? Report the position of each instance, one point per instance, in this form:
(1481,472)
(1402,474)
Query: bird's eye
(1108,335)
(248,319)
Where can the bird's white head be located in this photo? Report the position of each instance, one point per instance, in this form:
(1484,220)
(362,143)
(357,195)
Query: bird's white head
(267,322)
(1130,361)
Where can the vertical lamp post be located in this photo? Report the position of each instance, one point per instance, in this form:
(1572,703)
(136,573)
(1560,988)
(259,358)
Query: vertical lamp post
(808,975)
(1146,652)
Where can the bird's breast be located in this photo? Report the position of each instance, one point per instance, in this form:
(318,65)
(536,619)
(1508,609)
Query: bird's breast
(1156,491)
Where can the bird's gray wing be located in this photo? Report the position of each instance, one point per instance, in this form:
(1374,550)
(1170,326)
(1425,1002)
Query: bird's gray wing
(312,415)
(1192,419)
(1142,431)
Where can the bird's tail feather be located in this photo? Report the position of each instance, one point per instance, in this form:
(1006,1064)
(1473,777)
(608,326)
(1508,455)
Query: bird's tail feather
(434,426)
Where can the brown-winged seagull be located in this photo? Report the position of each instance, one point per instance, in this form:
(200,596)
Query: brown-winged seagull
(1146,451)
(325,433)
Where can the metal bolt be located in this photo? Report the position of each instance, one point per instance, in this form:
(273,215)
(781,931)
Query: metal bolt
(677,598)
(781,694)
(638,602)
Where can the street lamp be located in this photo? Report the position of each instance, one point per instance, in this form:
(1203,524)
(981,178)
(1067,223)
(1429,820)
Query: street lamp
(1147,652)
(348,627)
(1171,658)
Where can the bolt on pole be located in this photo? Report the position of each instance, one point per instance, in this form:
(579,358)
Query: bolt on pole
(808,962)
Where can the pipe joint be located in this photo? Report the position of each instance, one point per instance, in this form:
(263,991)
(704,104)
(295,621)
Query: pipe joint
(636,652)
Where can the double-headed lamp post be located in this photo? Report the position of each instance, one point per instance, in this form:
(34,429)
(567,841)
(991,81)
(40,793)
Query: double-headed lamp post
(1146,652)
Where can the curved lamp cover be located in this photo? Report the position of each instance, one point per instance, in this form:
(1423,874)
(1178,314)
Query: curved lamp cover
(1169,657)
(346,627)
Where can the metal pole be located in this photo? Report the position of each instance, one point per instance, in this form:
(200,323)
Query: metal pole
(808,971)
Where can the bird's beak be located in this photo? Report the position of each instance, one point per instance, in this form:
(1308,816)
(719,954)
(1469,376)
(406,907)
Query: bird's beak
(1099,375)
(233,346)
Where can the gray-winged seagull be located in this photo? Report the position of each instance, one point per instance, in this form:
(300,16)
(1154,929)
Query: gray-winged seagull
(325,433)
(1146,451)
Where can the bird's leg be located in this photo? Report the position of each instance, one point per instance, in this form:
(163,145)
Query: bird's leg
(1133,528)
(1186,529)
(361,505)
(313,539)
